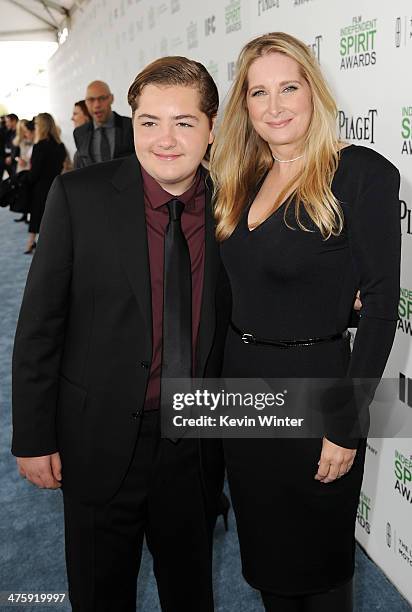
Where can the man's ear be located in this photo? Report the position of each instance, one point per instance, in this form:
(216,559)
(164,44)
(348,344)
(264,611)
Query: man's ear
(212,130)
(112,98)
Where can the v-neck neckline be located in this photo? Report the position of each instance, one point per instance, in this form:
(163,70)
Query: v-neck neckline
(272,214)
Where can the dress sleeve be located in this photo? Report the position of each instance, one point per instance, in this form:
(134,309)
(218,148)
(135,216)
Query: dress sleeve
(38,161)
(375,244)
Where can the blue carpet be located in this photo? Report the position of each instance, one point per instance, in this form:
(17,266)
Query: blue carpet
(31,520)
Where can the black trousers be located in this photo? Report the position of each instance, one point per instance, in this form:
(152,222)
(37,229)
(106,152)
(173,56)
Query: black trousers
(162,498)
(339,599)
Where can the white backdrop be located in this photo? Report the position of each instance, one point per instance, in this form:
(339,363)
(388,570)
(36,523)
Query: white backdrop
(365,50)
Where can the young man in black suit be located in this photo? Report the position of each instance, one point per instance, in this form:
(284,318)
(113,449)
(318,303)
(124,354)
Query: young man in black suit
(106,314)
(108,135)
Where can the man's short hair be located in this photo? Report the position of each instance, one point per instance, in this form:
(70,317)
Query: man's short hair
(177,70)
(13,117)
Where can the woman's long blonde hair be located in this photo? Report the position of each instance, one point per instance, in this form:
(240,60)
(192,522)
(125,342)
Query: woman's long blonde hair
(19,137)
(46,128)
(240,157)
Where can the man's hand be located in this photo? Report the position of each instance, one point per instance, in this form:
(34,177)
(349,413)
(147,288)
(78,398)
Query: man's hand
(335,461)
(8,160)
(44,472)
(357,304)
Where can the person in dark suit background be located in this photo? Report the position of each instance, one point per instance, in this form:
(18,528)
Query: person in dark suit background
(47,160)
(88,367)
(10,150)
(108,135)
(2,152)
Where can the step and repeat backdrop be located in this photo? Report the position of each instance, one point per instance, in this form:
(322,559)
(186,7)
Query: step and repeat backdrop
(365,49)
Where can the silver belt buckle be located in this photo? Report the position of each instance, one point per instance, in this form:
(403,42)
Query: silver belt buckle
(248,338)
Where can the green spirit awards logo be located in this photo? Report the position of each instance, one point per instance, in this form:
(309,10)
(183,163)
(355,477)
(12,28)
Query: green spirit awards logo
(405,311)
(403,476)
(357,44)
(232,16)
(363,513)
(406,130)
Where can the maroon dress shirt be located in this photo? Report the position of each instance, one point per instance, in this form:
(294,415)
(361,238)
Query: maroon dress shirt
(193,225)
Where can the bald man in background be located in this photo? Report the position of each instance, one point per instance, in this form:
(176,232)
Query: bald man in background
(108,135)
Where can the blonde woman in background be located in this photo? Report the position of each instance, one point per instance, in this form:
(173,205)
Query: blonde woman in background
(23,144)
(304,221)
(47,160)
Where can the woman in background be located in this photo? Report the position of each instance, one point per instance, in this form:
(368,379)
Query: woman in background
(23,143)
(80,114)
(304,221)
(47,160)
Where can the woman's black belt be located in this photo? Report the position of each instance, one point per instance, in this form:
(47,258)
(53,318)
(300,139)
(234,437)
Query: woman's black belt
(251,339)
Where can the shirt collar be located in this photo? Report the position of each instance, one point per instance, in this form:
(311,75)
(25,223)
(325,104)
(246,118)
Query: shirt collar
(157,196)
(109,123)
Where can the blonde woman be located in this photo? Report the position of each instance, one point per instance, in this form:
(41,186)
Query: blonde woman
(304,220)
(23,141)
(23,147)
(47,161)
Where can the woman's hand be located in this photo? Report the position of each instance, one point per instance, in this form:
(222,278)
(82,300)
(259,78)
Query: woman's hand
(335,461)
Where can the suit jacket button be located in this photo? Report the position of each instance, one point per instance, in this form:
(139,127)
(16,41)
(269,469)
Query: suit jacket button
(135,415)
(145,364)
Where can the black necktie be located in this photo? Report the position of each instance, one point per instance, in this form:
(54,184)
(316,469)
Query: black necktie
(177,298)
(104,146)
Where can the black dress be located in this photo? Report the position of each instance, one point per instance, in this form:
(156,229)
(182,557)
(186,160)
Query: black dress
(46,163)
(297,534)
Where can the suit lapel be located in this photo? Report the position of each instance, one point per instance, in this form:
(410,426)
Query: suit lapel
(88,153)
(211,269)
(128,222)
(118,133)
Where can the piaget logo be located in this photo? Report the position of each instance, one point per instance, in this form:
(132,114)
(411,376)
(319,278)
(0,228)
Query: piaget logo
(358,127)
(232,16)
(357,44)
(363,513)
(405,311)
(406,130)
(403,476)
(406,218)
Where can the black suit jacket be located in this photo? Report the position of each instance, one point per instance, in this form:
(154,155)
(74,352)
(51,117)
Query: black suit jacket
(83,343)
(123,143)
